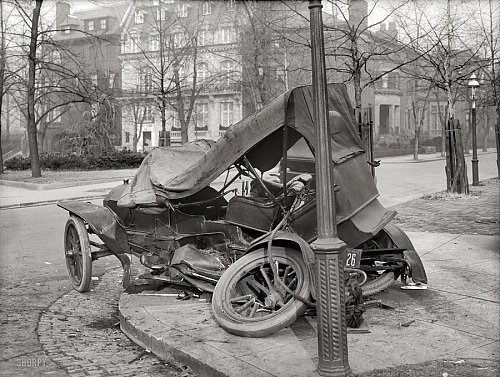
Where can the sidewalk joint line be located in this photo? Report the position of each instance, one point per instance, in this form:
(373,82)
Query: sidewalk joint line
(463,296)
(441,245)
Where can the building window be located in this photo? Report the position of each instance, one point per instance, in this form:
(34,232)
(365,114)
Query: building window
(226,68)
(93,78)
(410,85)
(144,81)
(146,139)
(133,42)
(160,14)
(435,118)
(202,37)
(203,72)
(393,79)
(67,29)
(148,82)
(178,39)
(127,137)
(182,10)
(125,43)
(148,113)
(139,16)
(176,125)
(226,32)
(207,8)
(385,82)
(103,24)
(90,25)
(226,114)
(155,42)
(202,116)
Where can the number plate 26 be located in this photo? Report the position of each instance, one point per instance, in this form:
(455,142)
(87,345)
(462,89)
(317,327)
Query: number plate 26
(353,258)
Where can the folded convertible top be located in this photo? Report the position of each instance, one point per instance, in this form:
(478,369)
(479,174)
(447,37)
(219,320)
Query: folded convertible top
(178,172)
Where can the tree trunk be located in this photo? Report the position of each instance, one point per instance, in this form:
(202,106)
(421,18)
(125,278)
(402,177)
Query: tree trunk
(415,148)
(163,112)
(497,137)
(41,135)
(32,132)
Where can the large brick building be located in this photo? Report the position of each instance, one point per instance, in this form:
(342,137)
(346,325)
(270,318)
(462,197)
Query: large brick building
(200,66)
(88,44)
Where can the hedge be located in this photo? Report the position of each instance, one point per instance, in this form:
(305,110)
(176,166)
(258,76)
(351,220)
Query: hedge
(114,160)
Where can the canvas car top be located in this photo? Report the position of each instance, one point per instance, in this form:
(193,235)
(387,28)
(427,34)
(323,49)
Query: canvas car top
(178,172)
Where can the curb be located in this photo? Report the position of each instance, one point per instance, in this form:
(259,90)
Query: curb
(167,341)
(52,186)
(49,202)
(423,160)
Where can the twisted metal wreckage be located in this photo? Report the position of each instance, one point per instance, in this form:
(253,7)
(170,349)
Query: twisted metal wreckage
(183,218)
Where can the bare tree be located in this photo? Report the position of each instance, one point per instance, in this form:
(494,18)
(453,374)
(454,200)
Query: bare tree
(31,125)
(54,78)
(167,62)
(2,77)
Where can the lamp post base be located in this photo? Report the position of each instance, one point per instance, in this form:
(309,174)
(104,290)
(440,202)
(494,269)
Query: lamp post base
(332,328)
(475,172)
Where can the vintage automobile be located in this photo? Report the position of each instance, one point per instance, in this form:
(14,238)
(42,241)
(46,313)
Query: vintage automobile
(213,216)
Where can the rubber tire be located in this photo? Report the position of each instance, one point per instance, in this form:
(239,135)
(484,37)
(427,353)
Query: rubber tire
(385,279)
(81,284)
(256,328)
(382,282)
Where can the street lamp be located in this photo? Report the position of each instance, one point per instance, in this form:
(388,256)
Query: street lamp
(473,84)
(328,248)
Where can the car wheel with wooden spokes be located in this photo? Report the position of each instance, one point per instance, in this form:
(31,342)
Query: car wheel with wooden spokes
(254,298)
(78,254)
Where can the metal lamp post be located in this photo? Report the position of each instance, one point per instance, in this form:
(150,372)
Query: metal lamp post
(328,248)
(473,84)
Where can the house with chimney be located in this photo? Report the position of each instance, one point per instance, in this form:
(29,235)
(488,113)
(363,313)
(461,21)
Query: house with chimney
(88,46)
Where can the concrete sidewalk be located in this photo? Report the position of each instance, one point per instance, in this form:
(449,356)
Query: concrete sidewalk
(456,318)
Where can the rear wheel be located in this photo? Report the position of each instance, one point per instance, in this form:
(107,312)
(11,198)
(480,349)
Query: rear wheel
(249,300)
(78,254)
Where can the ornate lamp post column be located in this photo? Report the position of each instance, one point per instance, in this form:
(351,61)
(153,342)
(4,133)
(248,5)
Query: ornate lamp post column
(473,84)
(328,248)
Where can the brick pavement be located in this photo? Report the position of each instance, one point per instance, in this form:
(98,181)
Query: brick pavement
(81,333)
(477,213)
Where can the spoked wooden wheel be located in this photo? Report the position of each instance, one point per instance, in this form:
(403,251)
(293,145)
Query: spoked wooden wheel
(249,300)
(77,253)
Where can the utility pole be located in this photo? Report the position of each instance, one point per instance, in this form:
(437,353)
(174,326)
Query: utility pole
(328,248)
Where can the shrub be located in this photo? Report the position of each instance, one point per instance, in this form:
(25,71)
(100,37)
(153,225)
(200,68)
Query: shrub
(113,160)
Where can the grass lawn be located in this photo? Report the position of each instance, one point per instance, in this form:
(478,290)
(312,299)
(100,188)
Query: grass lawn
(68,176)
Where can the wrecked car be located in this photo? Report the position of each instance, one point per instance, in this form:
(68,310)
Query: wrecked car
(229,217)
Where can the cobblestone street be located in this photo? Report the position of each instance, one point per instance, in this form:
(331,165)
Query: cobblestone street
(477,213)
(81,333)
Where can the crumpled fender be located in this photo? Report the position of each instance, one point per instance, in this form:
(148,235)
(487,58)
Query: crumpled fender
(292,240)
(402,241)
(103,223)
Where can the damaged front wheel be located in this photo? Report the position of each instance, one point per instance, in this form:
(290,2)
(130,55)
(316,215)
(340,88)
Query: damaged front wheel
(254,298)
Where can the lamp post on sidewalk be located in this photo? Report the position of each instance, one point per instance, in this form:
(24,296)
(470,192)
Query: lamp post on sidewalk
(473,84)
(328,248)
